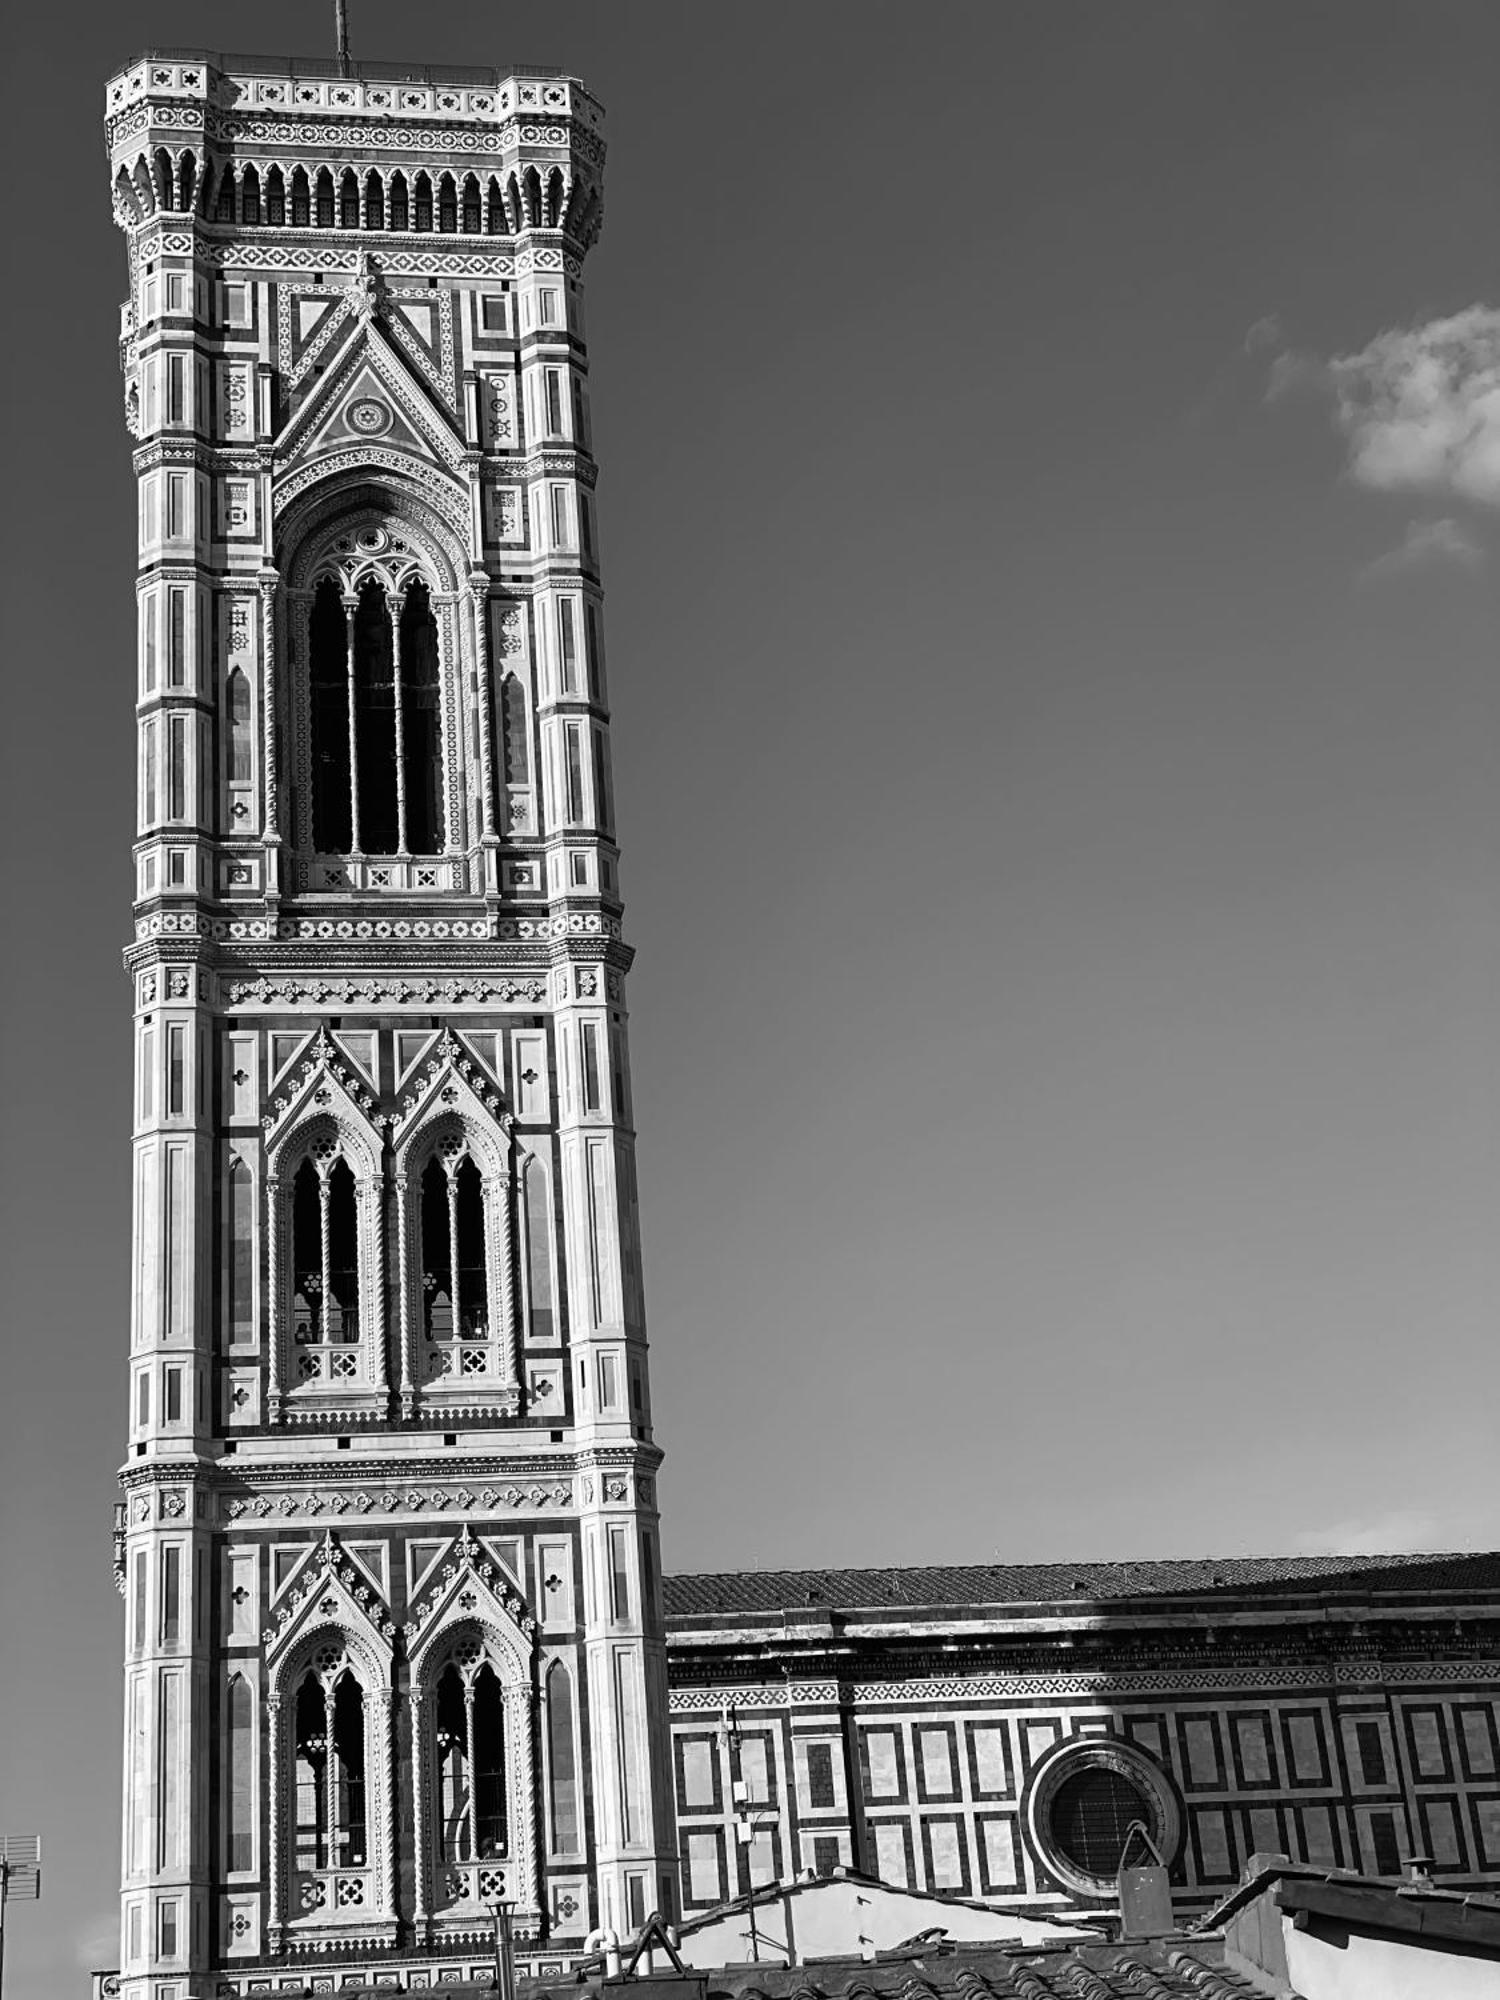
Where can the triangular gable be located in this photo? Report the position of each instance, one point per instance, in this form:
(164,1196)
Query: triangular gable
(421,1559)
(420,320)
(508,1554)
(450,1078)
(360,1049)
(369,395)
(411,1046)
(469,1584)
(331,1589)
(323,1082)
(285,1050)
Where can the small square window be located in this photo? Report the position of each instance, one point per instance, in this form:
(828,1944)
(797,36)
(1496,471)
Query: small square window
(496,314)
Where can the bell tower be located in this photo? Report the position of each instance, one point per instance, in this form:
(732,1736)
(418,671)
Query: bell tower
(388,1544)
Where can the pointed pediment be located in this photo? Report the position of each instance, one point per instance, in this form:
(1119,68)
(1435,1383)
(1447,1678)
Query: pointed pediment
(331,1589)
(369,396)
(449,1078)
(321,1082)
(469,1583)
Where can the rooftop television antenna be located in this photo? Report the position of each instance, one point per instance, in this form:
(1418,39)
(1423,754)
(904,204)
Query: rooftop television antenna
(20,1877)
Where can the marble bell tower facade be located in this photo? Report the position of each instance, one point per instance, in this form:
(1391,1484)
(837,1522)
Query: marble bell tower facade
(388,1543)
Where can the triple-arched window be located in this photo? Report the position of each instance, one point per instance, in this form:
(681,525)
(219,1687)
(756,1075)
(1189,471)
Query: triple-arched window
(375,721)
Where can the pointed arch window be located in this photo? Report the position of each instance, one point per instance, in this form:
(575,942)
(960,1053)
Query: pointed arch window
(348,200)
(374,201)
(469,1759)
(239,1844)
(329,1766)
(376,742)
(325,1269)
(325,198)
(562,1761)
(539,1252)
(301,199)
(422,203)
(455,1283)
(275,198)
(237,703)
(400,210)
(250,196)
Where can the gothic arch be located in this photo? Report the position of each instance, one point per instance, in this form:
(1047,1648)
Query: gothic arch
(327,1354)
(474,1607)
(393,531)
(316,1887)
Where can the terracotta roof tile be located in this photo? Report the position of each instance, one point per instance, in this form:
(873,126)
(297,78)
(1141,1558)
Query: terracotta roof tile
(1084,1582)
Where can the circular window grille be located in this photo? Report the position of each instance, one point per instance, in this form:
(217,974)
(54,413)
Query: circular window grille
(1083,1801)
(367,415)
(1092,1814)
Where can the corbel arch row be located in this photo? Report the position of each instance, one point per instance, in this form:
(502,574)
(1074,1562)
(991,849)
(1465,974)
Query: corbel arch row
(285,193)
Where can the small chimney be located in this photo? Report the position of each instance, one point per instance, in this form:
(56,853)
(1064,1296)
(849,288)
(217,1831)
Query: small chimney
(1145,1892)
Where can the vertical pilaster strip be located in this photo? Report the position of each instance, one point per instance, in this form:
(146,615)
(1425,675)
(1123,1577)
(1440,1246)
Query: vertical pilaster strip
(273,1314)
(269,734)
(480,600)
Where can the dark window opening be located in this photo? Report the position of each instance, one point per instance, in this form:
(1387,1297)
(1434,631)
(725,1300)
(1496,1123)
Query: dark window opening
(1091,1814)
(349,200)
(330,722)
(419,675)
(374,722)
(325,198)
(1371,1753)
(275,198)
(374,202)
(400,218)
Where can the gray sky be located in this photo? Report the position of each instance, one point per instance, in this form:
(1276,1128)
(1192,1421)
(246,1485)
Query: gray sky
(1051,514)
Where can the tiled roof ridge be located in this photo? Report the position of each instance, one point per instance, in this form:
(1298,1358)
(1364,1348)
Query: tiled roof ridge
(999,1582)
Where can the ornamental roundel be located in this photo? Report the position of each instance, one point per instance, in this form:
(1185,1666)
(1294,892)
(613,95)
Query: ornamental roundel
(369,416)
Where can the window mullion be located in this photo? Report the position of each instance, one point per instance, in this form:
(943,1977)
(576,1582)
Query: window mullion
(453,1251)
(330,1782)
(393,611)
(351,605)
(473,1842)
(325,1246)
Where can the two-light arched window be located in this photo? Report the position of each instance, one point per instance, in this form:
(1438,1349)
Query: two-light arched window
(455,1267)
(325,1267)
(469,1757)
(376,760)
(328,1734)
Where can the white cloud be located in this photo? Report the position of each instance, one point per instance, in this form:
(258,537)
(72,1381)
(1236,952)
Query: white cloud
(97,1945)
(1428,545)
(1420,407)
(1403,1531)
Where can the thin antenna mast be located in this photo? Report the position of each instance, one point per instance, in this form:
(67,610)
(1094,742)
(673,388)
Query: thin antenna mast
(341,33)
